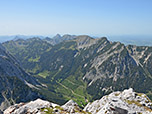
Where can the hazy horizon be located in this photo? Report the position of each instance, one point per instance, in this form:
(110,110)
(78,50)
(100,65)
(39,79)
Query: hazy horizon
(139,40)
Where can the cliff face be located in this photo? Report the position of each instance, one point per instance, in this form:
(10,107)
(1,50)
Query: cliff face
(125,102)
(15,84)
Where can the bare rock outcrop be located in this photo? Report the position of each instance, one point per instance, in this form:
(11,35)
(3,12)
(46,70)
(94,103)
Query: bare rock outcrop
(126,102)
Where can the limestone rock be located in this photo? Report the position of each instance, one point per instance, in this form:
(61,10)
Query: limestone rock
(71,107)
(126,102)
(32,107)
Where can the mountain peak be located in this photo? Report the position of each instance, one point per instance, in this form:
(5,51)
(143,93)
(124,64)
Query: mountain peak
(85,41)
(57,36)
(66,35)
(84,37)
(104,38)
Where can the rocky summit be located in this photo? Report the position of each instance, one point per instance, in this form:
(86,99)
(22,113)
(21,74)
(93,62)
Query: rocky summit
(125,102)
(44,107)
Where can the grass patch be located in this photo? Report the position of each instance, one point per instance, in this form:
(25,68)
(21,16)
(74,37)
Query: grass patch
(34,59)
(80,90)
(138,104)
(44,74)
(69,85)
(60,108)
(134,102)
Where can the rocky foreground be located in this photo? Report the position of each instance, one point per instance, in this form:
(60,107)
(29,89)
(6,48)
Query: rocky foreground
(126,102)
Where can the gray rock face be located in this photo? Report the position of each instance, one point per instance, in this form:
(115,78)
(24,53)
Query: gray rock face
(40,107)
(15,83)
(70,107)
(112,63)
(126,102)
(10,67)
(32,107)
(84,41)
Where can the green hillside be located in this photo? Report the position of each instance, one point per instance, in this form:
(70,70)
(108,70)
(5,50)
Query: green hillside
(84,69)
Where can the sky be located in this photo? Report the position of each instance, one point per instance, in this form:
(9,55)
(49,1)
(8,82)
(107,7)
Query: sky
(91,17)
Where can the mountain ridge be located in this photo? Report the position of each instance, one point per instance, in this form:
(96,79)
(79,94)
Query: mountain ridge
(85,66)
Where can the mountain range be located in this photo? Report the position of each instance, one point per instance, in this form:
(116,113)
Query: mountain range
(78,67)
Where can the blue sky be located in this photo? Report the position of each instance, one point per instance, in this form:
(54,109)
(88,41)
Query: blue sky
(92,17)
